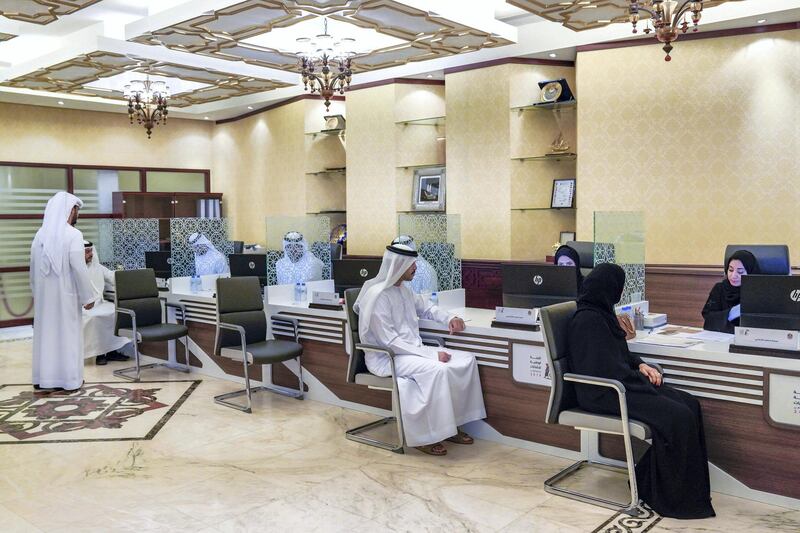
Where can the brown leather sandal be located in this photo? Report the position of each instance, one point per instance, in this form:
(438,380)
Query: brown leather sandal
(461,438)
(433,449)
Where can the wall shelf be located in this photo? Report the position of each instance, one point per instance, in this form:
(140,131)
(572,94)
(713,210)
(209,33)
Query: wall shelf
(341,170)
(326,212)
(431,121)
(543,209)
(568,105)
(548,157)
(427,165)
(338,133)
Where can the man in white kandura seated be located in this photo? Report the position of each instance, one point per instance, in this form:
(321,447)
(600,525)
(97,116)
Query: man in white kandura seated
(439,389)
(425,279)
(207,259)
(99,340)
(298,264)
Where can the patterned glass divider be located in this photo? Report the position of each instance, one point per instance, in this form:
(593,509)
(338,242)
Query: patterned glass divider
(619,237)
(438,239)
(315,228)
(215,229)
(122,242)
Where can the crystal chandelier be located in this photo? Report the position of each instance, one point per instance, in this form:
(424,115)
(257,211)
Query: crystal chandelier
(668,20)
(325,64)
(147,102)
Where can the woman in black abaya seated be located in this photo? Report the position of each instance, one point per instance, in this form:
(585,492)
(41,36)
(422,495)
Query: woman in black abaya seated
(672,476)
(568,256)
(722,311)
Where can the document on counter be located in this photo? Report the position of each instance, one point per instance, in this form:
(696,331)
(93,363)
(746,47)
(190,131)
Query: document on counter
(712,336)
(668,340)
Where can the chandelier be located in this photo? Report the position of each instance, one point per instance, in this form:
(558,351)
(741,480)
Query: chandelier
(325,64)
(147,102)
(668,20)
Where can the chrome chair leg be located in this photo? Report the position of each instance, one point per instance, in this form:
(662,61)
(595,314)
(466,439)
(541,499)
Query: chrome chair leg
(248,391)
(358,434)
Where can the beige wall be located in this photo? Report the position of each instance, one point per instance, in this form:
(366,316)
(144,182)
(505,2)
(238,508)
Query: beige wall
(54,135)
(707,145)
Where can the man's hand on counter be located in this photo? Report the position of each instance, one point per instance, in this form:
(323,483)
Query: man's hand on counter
(456,324)
(652,374)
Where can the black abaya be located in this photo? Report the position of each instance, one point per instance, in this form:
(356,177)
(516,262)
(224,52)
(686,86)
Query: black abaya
(672,476)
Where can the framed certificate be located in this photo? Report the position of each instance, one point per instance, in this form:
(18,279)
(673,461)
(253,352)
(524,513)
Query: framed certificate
(563,193)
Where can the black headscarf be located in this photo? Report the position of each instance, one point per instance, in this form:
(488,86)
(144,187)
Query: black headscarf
(570,252)
(731,294)
(601,290)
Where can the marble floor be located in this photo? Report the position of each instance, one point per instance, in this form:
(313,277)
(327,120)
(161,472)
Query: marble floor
(288,467)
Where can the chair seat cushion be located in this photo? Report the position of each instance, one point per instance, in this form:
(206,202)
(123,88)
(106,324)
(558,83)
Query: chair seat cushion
(605,423)
(157,332)
(272,351)
(371,380)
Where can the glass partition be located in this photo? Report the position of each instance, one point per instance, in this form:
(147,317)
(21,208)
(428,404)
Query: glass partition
(26,189)
(215,229)
(122,242)
(438,239)
(619,237)
(94,187)
(315,229)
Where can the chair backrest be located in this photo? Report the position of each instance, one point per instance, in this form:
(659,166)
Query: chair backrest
(773,259)
(137,290)
(356,364)
(240,302)
(336,250)
(555,328)
(585,251)
(238,247)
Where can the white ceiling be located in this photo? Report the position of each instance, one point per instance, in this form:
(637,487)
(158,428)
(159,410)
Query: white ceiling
(226,51)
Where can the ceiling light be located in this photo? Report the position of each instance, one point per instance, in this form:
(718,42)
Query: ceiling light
(552,55)
(668,18)
(429,76)
(205,118)
(325,64)
(60,102)
(249,107)
(147,102)
(761,21)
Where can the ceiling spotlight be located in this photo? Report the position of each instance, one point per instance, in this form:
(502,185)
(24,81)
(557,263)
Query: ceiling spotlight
(552,55)
(429,76)
(761,21)
(249,107)
(60,102)
(205,118)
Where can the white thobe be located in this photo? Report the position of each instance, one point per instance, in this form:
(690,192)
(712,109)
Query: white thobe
(99,321)
(57,317)
(425,278)
(308,268)
(211,262)
(435,397)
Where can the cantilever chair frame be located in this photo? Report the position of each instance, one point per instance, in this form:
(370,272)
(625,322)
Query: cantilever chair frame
(248,391)
(357,434)
(551,485)
(136,338)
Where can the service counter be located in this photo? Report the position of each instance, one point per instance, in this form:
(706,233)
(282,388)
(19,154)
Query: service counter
(751,403)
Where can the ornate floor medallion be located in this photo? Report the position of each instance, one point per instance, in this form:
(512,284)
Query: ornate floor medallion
(97,412)
(624,523)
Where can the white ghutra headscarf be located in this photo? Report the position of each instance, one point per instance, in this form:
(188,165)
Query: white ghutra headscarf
(53,231)
(425,278)
(396,260)
(207,259)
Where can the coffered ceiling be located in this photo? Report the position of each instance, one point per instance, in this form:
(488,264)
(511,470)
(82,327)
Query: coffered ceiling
(223,57)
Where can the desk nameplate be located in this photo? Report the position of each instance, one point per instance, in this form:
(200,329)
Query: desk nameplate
(782,399)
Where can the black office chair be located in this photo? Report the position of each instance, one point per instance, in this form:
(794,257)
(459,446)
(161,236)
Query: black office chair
(242,334)
(238,247)
(773,259)
(139,318)
(563,409)
(585,251)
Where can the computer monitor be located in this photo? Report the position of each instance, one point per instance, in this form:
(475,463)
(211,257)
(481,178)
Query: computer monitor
(771,302)
(249,265)
(352,273)
(160,262)
(530,286)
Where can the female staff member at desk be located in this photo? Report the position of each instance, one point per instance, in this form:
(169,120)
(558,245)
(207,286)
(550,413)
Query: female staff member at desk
(568,256)
(722,311)
(672,475)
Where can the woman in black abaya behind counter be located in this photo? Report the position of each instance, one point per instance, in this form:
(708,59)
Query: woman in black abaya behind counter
(722,310)
(672,476)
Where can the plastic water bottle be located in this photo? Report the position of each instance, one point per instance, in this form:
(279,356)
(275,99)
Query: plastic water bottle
(303,292)
(434,298)
(297,292)
(195,284)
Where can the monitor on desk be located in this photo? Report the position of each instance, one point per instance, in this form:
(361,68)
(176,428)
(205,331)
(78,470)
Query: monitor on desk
(352,273)
(160,262)
(531,286)
(249,265)
(770,302)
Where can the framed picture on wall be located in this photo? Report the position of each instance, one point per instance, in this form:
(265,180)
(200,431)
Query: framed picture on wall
(429,189)
(566,236)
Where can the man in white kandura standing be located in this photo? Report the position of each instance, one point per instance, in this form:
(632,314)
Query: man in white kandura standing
(439,389)
(60,285)
(99,340)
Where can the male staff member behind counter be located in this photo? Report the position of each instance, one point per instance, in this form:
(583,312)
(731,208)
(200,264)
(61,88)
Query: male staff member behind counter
(722,310)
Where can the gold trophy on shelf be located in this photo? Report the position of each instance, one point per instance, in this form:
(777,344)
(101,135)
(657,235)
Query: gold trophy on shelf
(559,146)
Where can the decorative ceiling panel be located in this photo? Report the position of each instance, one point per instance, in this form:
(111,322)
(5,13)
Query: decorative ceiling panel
(6,36)
(41,11)
(581,15)
(220,33)
(75,76)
